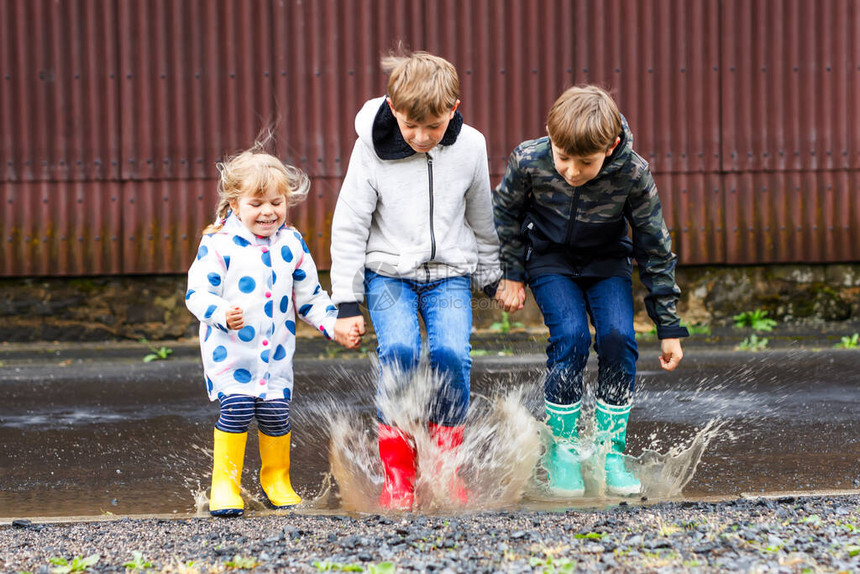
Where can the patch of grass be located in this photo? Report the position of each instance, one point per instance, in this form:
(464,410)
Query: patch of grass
(753,343)
(240,562)
(137,562)
(757,319)
(589,536)
(851,342)
(160,354)
(76,564)
(381,568)
(552,565)
(505,325)
(698,329)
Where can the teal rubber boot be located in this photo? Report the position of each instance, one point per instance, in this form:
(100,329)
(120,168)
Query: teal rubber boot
(562,462)
(612,425)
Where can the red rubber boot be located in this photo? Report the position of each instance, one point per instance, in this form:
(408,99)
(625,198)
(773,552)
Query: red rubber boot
(398,463)
(449,440)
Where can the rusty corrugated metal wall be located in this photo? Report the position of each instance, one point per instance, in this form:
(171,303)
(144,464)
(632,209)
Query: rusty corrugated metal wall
(114,112)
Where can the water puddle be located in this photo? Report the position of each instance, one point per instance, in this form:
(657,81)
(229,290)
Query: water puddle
(714,428)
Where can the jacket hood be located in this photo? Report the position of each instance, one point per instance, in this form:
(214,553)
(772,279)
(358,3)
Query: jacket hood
(377,127)
(621,154)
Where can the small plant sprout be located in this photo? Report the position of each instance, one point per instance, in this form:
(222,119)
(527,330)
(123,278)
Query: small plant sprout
(160,354)
(504,326)
(757,319)
(753,343)
(851,342)
(137,562)
(76,564)
(240,562)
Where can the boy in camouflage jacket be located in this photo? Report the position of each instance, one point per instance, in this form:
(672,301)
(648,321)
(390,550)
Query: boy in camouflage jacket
(562,213)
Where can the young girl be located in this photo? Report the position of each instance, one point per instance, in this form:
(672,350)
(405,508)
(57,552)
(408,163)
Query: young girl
(251,274)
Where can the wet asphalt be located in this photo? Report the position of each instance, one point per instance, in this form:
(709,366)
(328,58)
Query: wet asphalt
(90,430)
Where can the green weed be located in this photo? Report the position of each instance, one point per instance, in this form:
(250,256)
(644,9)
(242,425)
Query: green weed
(240,562)
(757,319)
(160,354)
(753,343)
(137,562)
(77,564)
(505,325)
(851,342)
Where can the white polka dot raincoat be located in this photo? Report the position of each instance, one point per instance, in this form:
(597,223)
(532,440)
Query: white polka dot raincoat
(270,279)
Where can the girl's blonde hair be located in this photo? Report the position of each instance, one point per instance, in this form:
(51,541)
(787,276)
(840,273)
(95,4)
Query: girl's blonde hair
(421,85)
(256,172)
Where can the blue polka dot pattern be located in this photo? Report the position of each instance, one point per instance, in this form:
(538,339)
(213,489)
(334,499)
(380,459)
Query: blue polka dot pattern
(246,333)
(285,304)
(219,353)
(241,241)
(267,308)
(242,375)
(280,352)
(330,308)
(274,278)
(291,327)
(214,279)
(305,247)
(299,275)
(209,385)
(189,294)
(202,252)
(226,262)
(286,253)
(304,309)
(210,311)
(247,284)
(208,332)
(317,289)
(267,259)
(265,356)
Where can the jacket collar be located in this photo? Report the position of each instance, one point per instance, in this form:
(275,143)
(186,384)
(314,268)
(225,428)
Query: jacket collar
(388,142)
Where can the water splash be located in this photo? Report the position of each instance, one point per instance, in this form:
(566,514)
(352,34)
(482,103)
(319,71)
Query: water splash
(496,460)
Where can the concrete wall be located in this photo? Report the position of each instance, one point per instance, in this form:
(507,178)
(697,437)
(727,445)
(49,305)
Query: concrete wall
(131,307)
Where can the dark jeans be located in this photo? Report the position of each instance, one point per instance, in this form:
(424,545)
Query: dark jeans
(567,304)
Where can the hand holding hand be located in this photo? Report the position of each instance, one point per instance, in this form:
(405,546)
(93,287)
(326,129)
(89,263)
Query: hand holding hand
(671,353)
(349,330)
(511,295)
(235,318)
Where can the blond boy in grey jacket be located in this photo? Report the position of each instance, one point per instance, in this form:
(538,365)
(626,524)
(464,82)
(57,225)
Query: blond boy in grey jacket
(412,233)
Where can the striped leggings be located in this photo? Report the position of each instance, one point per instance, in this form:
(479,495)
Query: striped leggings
(237,411)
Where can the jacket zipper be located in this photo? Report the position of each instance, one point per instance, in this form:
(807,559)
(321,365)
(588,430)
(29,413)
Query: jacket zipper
(571,224)
(432,232)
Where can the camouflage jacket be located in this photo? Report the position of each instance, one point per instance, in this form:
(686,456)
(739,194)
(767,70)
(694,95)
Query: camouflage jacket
(547,226)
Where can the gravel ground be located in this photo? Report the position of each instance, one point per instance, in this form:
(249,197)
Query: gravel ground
(788,534)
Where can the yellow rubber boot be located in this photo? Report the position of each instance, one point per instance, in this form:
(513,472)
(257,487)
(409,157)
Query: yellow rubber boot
(225,498)
(275,471)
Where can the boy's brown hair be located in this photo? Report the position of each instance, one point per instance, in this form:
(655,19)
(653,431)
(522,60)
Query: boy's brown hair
(584,120)
(421,85)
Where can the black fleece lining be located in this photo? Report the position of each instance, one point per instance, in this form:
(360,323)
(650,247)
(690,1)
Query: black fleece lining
(388,142)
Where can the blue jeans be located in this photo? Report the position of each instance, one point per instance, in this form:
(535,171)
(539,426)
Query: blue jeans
(446,308)
(567,304)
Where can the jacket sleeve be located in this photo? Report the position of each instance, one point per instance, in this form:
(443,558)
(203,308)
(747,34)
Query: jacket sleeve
(349,232)
(509,210)
(652,247)
(312,303)
(479,216)
(206,286)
